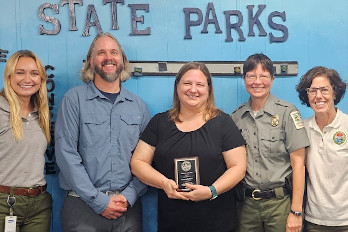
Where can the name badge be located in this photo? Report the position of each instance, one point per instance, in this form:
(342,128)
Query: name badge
(10,223)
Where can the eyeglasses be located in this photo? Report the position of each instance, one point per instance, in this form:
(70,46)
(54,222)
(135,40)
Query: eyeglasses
(253,78)
(323,90)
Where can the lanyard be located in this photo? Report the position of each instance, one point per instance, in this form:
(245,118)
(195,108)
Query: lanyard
(11,201)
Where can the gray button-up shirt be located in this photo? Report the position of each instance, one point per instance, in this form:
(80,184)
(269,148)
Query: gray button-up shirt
(271,135)
(94,141)
(21,162)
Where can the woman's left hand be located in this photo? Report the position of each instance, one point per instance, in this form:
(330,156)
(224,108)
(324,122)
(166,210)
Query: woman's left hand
(198,193)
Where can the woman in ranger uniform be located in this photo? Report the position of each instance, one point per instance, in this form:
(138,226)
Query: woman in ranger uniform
(276,141)
(24,135)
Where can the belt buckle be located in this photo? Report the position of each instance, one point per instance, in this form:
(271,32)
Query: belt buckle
(28,192)
(112,193)
(253,194)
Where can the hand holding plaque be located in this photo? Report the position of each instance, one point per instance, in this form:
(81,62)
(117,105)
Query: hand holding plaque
(186,170)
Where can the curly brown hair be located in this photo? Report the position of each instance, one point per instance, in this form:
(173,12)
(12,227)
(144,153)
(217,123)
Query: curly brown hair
(338,85)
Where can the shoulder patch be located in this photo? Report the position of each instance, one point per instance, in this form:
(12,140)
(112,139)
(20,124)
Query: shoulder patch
(296,117)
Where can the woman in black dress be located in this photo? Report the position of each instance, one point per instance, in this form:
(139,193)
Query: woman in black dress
(194,154)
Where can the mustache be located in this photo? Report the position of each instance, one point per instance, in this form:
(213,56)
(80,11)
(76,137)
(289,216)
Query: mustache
(107,62)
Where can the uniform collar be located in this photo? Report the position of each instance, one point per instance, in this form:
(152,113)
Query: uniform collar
(93,92)
(269,106)
(334,124)
(6,107)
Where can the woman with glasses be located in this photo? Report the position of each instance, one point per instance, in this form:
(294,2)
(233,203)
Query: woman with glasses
(276,141)
(327,157)
(24,134)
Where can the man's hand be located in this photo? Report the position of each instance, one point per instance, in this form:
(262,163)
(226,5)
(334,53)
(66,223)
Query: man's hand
(117,206)
(120,200)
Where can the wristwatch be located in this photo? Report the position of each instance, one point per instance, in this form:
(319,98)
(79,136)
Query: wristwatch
(297,213)
(213,192)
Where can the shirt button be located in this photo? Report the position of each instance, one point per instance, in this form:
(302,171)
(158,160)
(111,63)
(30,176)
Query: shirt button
(29,115)
(27,123)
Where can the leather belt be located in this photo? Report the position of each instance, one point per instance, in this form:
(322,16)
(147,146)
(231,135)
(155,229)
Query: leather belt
(29,192)
(257,194)
(108,193)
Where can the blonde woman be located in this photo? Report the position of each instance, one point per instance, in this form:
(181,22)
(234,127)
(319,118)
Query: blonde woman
(24,135)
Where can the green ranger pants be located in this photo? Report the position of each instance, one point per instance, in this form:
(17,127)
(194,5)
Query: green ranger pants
(265,215)
(311,227)
(33,213)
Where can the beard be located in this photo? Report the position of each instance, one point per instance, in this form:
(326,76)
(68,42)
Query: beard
(109,77)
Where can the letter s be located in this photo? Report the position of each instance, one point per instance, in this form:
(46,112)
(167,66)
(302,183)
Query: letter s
(52,20)
(276,26)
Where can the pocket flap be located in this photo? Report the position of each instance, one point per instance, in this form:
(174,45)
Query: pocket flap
(94,119)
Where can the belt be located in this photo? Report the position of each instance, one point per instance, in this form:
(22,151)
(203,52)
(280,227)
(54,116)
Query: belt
(108,193)
(29,192)
(258,194)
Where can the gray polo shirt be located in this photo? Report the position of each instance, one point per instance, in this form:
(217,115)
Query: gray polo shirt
(271,135)
(21,162)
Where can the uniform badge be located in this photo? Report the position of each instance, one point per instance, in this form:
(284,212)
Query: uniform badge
(275,120)
(339,137)
(296,117)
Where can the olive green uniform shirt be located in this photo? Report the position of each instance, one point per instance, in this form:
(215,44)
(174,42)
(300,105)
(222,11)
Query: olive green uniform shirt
(271,135)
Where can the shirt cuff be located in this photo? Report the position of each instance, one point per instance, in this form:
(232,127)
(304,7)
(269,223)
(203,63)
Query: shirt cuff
(130,194)
(100,202)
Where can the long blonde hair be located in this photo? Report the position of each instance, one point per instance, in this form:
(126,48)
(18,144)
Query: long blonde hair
(211,110)
(87,73)
(39,99)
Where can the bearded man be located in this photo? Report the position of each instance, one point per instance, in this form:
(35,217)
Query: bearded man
(98,126)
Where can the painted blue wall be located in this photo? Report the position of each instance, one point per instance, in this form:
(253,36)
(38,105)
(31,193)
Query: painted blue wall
(318,35)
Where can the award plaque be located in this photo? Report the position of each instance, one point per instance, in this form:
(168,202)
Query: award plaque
(186,170)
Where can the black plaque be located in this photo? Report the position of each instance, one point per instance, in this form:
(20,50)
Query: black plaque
(186,171)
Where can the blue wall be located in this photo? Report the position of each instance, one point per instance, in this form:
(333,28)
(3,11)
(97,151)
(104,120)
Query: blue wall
(318,35)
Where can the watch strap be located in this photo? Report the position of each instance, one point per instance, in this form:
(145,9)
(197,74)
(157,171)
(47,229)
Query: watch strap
(297,213)
(213,192)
